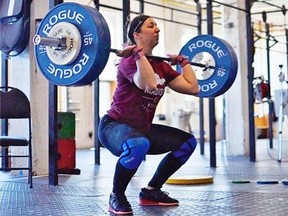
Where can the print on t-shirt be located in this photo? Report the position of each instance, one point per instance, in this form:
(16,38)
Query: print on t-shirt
(152,97)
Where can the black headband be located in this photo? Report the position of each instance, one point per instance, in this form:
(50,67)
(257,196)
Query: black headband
(135,26)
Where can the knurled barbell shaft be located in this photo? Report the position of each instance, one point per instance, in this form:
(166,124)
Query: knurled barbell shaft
(160,58)
(169,59)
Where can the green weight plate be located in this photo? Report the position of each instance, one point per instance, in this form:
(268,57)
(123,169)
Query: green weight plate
(240,181)
(66,125)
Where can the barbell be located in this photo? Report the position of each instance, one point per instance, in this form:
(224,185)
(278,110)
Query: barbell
(73,44)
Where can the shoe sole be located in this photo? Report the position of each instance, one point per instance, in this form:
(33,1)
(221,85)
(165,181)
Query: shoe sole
(120,212)
(146,202)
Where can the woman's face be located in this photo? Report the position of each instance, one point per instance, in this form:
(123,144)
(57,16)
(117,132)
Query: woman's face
(148,35)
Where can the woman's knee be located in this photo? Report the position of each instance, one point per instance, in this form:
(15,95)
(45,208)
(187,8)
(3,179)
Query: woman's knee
(134,151)
(185,150)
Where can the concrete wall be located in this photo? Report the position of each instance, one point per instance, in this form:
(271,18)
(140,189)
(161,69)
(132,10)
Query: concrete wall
(24,75)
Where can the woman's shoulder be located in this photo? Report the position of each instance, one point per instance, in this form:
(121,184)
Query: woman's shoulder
(127,63)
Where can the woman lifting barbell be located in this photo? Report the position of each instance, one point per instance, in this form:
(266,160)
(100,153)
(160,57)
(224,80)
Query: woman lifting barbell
(127,130)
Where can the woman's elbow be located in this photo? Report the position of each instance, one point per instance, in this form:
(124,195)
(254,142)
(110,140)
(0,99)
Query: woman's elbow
(195,90)
(150,87)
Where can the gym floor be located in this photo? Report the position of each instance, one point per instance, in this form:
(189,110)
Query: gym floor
(88,193)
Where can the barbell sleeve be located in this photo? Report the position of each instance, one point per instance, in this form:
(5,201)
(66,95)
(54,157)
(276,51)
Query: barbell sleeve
(160,58)
(57,43)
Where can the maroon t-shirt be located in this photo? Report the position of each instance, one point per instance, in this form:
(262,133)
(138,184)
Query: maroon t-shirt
(134,106)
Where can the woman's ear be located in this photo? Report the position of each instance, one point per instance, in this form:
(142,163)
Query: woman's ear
(136,36)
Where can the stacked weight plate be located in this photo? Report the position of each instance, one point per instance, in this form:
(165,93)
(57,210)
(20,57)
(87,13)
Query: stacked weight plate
(66,143)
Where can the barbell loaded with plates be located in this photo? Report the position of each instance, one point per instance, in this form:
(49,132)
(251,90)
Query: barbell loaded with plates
(73,44)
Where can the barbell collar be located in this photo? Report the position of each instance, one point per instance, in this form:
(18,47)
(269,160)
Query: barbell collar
(57,43)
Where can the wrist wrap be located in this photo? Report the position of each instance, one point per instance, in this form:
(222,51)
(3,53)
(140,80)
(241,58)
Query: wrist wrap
(182,60)
(137,53)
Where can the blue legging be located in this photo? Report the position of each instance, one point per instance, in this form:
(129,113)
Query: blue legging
(131,146)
